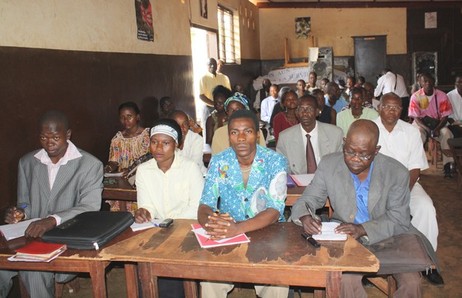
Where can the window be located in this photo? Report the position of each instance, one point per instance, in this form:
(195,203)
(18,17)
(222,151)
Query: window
(227,35)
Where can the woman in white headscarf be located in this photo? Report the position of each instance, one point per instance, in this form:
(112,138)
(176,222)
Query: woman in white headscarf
(169,185)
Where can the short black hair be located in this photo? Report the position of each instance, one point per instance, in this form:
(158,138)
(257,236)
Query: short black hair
(55,117)
(221,90)
(164,99)
(130,105)
(285,94)
(428,76)
(357,90)
(172,123)
(310,98)
(244,114)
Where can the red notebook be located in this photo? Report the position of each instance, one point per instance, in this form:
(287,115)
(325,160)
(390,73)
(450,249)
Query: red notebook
(205,241)
(37,251)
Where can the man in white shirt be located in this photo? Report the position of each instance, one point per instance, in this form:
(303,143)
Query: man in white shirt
(393,82)
(401,141)
(268,104)
(455,119)
(55,184)
(192,144)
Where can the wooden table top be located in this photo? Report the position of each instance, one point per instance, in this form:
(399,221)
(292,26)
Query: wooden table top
(118,188)
(278,246)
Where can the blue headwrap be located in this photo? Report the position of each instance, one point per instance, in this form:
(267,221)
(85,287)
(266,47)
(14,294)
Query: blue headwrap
(239,97)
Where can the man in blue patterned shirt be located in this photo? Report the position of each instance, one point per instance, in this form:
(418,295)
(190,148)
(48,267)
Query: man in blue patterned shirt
(244,191)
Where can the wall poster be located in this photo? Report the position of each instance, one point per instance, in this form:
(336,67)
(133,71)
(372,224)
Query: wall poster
(143,10)
(302,27)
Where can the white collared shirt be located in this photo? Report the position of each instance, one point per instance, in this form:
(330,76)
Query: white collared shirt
(387,83)
(71,153)
(267,107)
(314,141)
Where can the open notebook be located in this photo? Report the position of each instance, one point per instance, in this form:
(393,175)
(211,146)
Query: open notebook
(328,232)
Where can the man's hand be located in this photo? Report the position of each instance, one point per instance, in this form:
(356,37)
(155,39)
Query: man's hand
(14,215)
(311,225)
(142,215)
(37,228)
(355,231)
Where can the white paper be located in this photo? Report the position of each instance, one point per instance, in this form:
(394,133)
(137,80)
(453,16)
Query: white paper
(302,179)
(145,225)
(328,232)
(110,175)
(13,231)
(313,54)
(202,232)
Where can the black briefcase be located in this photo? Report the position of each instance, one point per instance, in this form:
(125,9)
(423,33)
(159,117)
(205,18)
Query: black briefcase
(90,230)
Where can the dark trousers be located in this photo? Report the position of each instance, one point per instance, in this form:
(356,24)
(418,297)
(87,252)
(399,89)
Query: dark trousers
(405,111)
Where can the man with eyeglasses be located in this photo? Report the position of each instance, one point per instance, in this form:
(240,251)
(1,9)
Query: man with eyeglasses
(401,141)
(369,193)
(324,138)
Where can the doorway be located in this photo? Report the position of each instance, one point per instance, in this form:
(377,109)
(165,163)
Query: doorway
(204,46)
(370,56)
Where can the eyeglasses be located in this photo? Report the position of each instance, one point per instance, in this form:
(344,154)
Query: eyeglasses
(391,108)
(362,157)
(305,110)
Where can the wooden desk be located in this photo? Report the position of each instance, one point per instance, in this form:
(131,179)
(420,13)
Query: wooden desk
(294,193)
(72,260)
(118,188)
(288,260)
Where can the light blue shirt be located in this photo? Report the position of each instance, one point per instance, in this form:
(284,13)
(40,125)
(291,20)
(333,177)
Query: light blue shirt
(362,196)
(339,104)
(266,187)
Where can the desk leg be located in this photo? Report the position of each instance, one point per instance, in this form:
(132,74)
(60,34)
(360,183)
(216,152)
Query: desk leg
(333,284)
(190,288)
(148,281)
(98,279)
(131,280)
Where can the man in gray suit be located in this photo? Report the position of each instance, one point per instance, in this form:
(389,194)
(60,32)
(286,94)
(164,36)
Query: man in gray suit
(325,138)
(54,184)
(369,193)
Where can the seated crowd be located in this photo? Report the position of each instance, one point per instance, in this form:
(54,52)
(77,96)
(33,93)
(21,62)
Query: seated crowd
(365,157)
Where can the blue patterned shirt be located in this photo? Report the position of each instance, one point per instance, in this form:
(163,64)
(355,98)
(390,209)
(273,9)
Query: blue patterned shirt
(266,186)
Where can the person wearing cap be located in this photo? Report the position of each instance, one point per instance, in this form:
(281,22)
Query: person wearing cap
(168,186)
(220,139)
(248,184)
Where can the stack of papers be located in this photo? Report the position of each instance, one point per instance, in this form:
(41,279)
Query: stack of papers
(328,232)
(205,241)
(302,179)
(37,251)
(13,231)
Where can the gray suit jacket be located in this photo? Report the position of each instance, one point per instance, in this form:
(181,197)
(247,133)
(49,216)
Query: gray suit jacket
(388,202)
(77,188)
(290,144)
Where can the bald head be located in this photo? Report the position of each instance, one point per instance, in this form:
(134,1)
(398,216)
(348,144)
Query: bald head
(365,129)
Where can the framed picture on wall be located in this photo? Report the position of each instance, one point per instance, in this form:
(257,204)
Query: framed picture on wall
(302,27)
(203,8)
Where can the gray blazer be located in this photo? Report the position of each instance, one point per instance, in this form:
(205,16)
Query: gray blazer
(389,195)
(77,188)
(290,144)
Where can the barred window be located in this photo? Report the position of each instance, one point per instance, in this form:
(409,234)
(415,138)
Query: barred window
(226,35)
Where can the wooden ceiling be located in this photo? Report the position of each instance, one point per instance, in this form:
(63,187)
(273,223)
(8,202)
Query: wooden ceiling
(349,3)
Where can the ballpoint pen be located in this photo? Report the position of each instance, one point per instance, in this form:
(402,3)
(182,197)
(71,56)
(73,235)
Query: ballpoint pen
(311,240)
(312,214)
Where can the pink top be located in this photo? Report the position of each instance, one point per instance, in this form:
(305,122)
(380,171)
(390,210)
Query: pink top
(422,105)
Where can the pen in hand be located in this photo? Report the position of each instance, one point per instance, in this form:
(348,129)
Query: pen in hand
(312,214)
